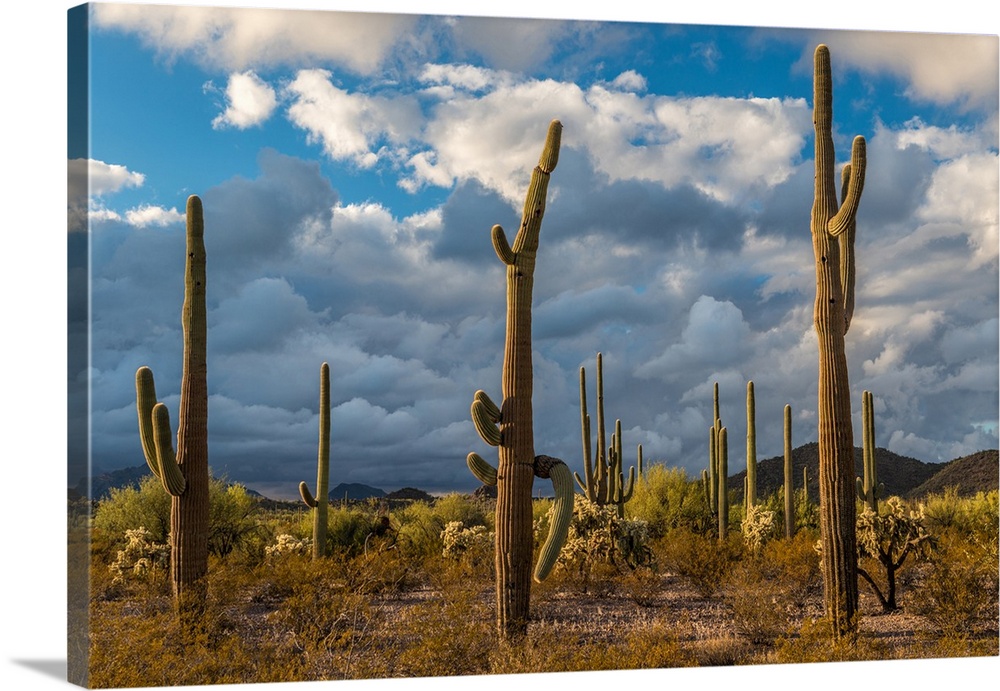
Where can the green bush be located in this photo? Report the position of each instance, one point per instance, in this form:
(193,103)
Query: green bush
(666,499)
(232,524)
(422,523)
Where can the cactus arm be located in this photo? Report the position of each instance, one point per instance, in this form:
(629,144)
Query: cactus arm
(307,496)
(562,484)
(170,474)
(145,399)
(846,242)
(501,246)
(485,425)
(602,481)
(482,469)
(847,213)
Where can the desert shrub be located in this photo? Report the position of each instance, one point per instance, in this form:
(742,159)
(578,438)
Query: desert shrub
(128,508)
(795,563)
(460,541)
(975,516)
(666,498)
(232,522)
(421,523)
(814,642)
(959,589)
(700,559)
(762,602)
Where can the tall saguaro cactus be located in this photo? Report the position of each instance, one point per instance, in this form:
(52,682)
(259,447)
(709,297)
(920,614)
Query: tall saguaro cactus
(750,498)
(604,478)
(510,426)
(832,228)
(870,490)
(184,474)
(789,490)
(321,501)
(722,455)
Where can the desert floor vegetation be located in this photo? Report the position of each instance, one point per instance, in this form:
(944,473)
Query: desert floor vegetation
(655,589)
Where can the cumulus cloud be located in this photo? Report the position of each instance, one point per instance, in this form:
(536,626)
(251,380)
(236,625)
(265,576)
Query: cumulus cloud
(250,99)
(241,38)
(941,68)
(87,181)
(149,215)
(349,126)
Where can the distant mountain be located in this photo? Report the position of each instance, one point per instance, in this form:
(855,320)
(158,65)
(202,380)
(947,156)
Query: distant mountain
(101,484)
(978,472)
(410,494)
(903,476)
(355,491)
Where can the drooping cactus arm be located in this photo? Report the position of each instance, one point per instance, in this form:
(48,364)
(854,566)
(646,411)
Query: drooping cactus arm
(485,416)
(562,484)
(170,473)
(307,496)
(482,469)
(846,242)
(145,399)
(848,210)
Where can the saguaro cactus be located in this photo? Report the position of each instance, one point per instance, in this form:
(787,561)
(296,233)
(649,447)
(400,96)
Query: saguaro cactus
(722,455)
(604,479)
(510,426)
(321,501)
(789,491)
(713,452)
(870,490)
(832,228)
(184,474)
(750,498)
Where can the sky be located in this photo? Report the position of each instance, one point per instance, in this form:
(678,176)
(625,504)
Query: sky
(351,166)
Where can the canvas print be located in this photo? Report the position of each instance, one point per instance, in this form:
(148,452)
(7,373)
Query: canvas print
(409,345)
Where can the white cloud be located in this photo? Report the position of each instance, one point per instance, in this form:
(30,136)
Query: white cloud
(630,80)
(941,68)
(99,178)
(349,126)
(150,215)
(251,101)
(239,38)
(465,77)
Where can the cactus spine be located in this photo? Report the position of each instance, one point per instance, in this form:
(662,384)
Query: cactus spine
(184,474)
(832,228)
(750,498)
(509,426)
(604,479)
(789,491)
(321,501)
(870,490)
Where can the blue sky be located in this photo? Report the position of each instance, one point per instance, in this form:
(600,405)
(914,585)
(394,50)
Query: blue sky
(352,165)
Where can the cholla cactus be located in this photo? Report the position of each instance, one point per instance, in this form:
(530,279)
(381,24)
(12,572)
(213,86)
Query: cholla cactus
(459,540)
(141,556)
(286,544)
(890,537)
(757,527)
